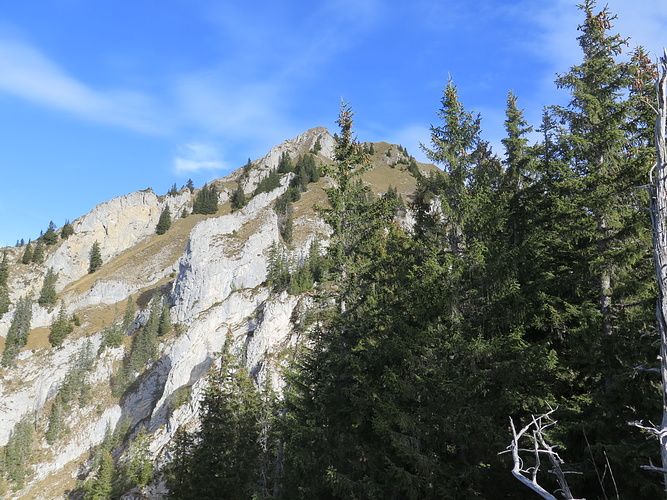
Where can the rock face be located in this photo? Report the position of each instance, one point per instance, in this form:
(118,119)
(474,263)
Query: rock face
(213,285)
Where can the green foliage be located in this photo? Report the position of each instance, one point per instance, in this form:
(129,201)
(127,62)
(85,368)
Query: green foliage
(17,335)
(285,164)
(18,451)
(238,198)
(102,484)
(206,201)
(48,296)
(74,387)
(38,253)
(67,230)
(143,350)
(95,258)
(4,286)
(317,147)
(112,336)
(164,326)
(60,328)
(191,186)
(56,424)
(50,237)
(268,183)
(137,467)
(283,273)
(27,254)
(164,223)
(129,316)
(222,459)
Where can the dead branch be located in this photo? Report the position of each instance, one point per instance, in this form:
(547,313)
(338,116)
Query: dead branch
(534,433)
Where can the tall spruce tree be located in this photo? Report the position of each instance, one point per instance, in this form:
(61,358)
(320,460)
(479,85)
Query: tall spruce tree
(95,258)
(47,295)
(164,223)
(225,459)
(50,237)
(4,286)
(60,328)
(17,335)
(27,254)
(614,305)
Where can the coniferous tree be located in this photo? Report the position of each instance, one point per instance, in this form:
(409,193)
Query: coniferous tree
(27,254)
(102,485)
(137,470)
(60,328)
(17,335)
(67,230)
(56,423)
(164,326)
(285,163)
(225,459)
(206,201)
(50,237)
(18,451)
(614,303)
(48,296)
(95,258)
(128,316)
(4,286)
(238,198)
(164,223)
(38,252)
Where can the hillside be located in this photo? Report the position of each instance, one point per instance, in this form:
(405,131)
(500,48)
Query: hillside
(208,271)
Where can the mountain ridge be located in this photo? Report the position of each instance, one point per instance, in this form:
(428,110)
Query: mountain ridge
(209,269)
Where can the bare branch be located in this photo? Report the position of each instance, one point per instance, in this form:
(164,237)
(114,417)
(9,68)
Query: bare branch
(534,432)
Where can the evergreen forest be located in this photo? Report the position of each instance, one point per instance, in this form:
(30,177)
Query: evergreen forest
(525,286)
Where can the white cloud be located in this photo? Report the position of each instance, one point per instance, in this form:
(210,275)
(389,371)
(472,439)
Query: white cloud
(195,157)
(27,73)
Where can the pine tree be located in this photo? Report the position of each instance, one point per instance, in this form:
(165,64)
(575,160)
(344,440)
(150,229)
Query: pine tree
(56,424)
(18,452)
(4,285)
(38,253)
(128,316)
(50,237)
(164,223)
(164,326)
(67,230)
(238,198)
(95,258)
(102,486)
(48,296)
(27,254)
(206,201)
(17,335)
(138,467)
(225,459)
(60,328)
(285,163)
(614,300)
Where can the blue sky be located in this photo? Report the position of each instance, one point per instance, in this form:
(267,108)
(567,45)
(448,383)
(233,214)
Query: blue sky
(99,99)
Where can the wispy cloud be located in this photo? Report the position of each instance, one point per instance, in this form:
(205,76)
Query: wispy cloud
(195,157)
(27,73)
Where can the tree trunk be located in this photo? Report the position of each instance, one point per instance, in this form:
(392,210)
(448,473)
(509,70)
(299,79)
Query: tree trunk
(658,190)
